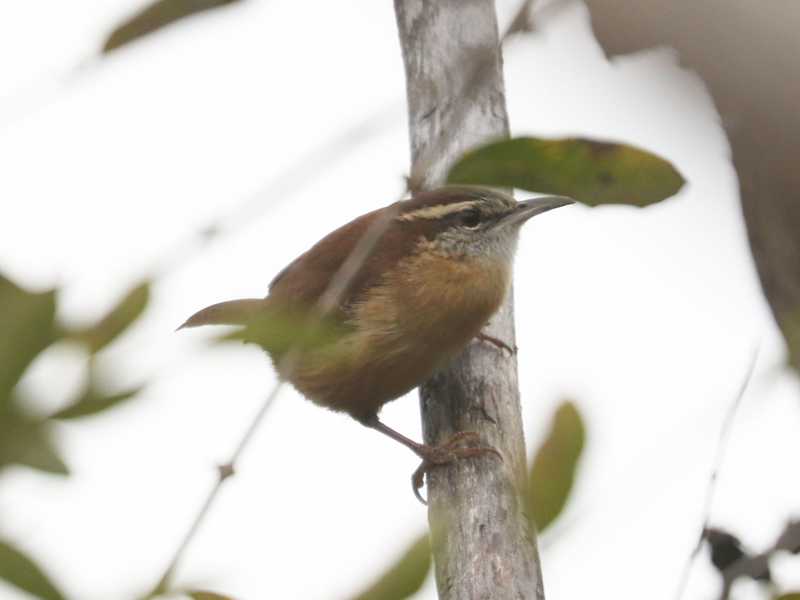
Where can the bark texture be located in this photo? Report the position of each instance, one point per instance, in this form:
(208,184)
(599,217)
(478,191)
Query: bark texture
(747,53)
(482,544)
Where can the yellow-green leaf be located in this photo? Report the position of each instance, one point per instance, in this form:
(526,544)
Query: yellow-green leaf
(405,577)
(789,596)
(553,470)
(26,328)
(206,595)
(22,572)
(118,319)
(155,16)
(280,329)
(94,401)
(591,172)
(790,325)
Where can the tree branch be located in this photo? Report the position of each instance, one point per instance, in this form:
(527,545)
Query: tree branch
(482,545)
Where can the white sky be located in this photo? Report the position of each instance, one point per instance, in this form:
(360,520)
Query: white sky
(647,319)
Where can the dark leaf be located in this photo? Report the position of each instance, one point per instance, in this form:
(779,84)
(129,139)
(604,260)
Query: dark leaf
(155,16)
(589,171)
(25,441)
(553,471)
(405,577)
(94,401)
(730,559)
(26,329)
(127,310)
(20,571)
(726,548)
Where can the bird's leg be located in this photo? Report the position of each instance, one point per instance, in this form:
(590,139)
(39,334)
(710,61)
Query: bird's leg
(432,456)
(490,339)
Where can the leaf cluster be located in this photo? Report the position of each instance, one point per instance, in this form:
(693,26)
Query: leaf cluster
(28,327)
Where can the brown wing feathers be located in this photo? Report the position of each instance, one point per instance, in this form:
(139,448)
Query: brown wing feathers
(304,280)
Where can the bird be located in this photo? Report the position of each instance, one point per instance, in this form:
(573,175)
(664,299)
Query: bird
(439,266)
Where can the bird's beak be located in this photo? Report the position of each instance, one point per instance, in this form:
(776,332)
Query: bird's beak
(529,208)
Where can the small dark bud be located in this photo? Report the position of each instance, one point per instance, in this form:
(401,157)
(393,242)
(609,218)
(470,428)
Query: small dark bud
(225,471)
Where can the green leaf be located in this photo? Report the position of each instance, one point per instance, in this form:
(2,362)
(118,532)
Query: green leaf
(20,571)
(405,577)
(155,16)
(280,329)
(790,325)
(106,330)
(789,596)
(26,329)
(589,171)
(553,470)
(206,595)
(94,401)
(26,441)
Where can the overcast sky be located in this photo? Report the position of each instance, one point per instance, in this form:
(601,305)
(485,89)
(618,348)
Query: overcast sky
(647,319)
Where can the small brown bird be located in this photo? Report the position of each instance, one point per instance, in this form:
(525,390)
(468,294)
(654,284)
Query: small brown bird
(438,270)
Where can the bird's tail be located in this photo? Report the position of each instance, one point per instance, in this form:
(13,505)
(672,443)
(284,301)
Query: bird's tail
(232,312)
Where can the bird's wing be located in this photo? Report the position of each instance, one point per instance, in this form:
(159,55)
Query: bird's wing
(305,279)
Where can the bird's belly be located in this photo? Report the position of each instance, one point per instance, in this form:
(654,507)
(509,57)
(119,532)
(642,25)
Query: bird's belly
(363,371)
(400,335)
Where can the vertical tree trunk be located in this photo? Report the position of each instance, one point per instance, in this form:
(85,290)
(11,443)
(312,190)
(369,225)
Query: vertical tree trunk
(482,544)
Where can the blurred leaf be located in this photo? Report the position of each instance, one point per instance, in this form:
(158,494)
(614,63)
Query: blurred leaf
(26,328)
(589,171)
(205,595)
(155,16)
(405,577)
(726,549)
(790,325)
(789,540)
(279,329)
(731,560)
(553,471)
(26,441)
(20,571)
(106,330)
(93,401)
(789,596)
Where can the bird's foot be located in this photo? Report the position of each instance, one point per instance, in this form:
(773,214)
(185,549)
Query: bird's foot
(490,339)
(442,454)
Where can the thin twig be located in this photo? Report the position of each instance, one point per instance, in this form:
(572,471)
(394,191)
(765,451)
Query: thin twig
(224,471)
(327,302)
(722,444)
(280,187)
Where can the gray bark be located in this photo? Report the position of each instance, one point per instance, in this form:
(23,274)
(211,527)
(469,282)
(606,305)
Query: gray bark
(482,543)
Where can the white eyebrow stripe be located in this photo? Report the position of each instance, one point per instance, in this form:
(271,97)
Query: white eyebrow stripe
(438,211)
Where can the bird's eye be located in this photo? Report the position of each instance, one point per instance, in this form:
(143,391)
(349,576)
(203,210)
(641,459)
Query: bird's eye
(471,219)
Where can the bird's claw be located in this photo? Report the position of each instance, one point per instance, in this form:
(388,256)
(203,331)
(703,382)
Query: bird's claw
(433,456)
(497,342)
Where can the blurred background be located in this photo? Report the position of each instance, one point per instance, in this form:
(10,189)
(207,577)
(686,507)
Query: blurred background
(191,165)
